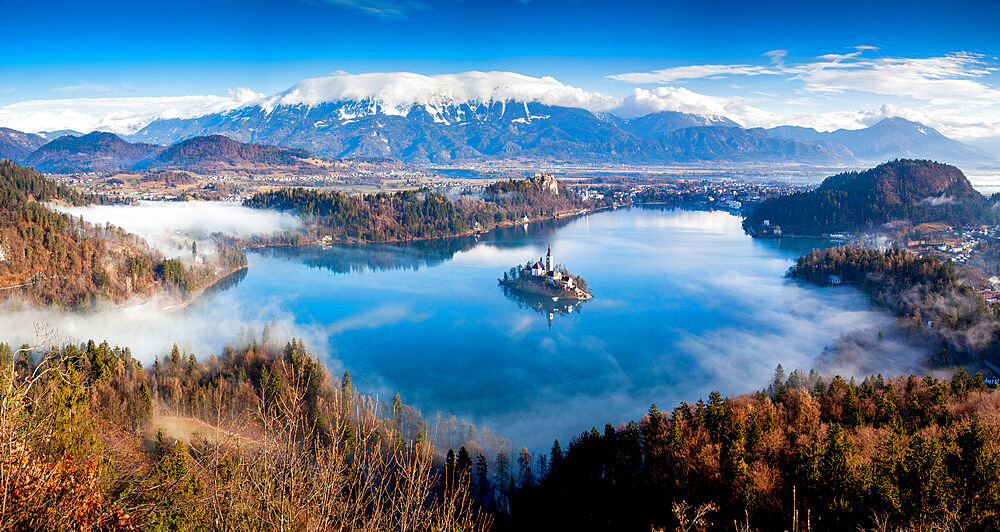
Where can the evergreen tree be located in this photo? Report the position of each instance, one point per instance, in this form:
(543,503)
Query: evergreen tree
(482,476)
(556,457)
(525,476)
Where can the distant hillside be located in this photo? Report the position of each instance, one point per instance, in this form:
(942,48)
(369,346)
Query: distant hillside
(108,153)
(901,190)
(216,153)
(656,126)
(93,152)
(53,135)
(891,138)
(463,131)
(719,143)
(16,146)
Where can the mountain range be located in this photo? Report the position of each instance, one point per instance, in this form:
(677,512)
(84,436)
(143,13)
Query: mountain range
(888,139)
(439,132)
(444,129)
(103,152)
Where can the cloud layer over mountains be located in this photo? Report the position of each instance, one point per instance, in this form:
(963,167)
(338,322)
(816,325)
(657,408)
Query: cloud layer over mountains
(396,92)
(952,92)
(116,114)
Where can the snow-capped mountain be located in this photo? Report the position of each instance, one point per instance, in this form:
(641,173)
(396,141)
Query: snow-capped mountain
(502,115)
(475,115)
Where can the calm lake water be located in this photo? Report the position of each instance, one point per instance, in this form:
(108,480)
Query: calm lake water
(684,303)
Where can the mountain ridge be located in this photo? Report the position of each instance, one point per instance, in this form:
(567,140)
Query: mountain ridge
(103,152)
(94,152)
(891,138)
(498,130)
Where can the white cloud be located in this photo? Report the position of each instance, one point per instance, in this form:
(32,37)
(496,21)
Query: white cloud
(952,92)
(944,79)
(397,91)
(777,56)
(669,75)
(91,87)
(947,79)
(117,114)
(667,98)
(380,8)
(683,100)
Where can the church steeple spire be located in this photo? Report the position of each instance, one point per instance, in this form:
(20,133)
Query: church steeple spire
(548,259)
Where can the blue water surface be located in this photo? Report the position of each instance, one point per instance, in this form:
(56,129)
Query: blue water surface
(685,303)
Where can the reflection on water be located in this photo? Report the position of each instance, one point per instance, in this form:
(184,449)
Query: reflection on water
(688,304)
(360,258)
(227,282)
(545,305)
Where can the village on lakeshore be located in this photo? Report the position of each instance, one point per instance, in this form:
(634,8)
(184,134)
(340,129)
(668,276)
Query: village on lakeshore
(544,277)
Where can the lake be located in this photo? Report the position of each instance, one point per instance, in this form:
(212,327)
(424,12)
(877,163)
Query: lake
(685,303)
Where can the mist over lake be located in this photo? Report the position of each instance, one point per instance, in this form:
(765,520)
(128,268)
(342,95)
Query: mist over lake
(684,304)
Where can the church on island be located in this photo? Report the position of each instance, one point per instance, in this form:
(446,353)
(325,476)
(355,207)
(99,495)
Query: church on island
(548,271)
(543,278)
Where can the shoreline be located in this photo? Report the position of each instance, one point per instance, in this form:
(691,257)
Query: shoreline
(201,291)
(530,288)
(502,225)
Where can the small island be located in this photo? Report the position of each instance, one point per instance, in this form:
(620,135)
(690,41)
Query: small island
(544,278)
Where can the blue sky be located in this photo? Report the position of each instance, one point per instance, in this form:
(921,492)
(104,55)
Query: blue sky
(56,50)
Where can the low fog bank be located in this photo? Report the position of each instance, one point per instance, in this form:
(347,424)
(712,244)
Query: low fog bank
(201,328)
(832,330)
(168,226)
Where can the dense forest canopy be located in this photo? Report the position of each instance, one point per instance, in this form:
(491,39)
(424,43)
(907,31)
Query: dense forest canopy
(908,453)
(910,191)
(420,214)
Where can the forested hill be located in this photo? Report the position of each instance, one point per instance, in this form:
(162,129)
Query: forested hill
(20,184)
(51,258)
(217,153)
(420,214)
(903,190)
(93,152)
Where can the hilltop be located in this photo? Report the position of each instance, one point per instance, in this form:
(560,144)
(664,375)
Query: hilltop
(218,153)
(16,145)
(93,152)
(103,152)
(900,191)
